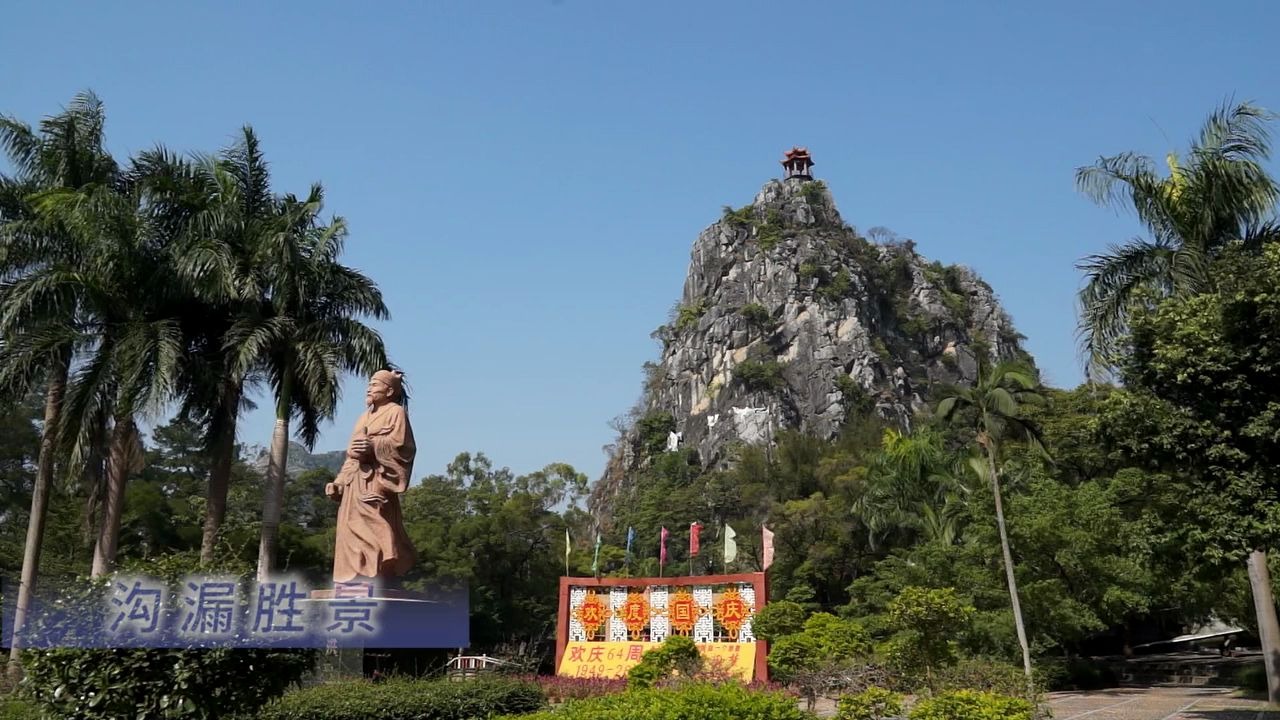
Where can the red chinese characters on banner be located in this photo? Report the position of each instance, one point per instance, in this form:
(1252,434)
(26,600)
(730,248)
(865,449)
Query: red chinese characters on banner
(592,614)
(635,615)
(682,612)
(732,611)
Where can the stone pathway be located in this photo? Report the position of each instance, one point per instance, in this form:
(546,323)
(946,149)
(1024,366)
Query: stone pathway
(1156,703)
(1173,703)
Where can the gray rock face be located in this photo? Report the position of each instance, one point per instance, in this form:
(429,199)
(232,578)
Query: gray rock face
(790,319)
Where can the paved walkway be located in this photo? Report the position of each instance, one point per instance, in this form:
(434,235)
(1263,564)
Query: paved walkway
(1172,703)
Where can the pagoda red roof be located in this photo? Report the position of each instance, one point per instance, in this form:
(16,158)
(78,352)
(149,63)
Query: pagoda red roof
(797,153)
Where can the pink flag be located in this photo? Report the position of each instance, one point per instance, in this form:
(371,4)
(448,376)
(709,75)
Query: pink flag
(768,547)
(662,549)
(694,529)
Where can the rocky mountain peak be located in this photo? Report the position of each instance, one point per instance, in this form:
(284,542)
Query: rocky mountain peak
(790,318)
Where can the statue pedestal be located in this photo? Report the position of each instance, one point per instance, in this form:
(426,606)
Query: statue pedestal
(391,618)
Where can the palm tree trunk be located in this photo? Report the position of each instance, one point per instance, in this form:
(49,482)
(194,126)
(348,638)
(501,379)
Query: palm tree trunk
(104,552)
(274,492)
(1008,570)
(39,506)
(223,428)
(1268,628)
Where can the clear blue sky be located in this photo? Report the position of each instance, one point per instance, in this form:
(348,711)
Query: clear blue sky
(525,179)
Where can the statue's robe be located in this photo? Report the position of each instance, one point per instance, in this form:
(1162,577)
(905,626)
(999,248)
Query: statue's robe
(371,540)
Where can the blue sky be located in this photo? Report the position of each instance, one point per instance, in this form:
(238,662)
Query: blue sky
(525,179)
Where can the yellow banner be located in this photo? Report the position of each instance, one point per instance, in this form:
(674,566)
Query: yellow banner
(614,659)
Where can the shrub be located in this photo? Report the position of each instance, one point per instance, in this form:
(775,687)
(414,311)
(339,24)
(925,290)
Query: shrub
(928,623)
(756,315)
(178,682)
(742,216)
(813,192)
(15,708)
(559,688)
(687,316)
(838,288)
(769,233)
(979,673)
(653,428)
(856,399)
(168,683)
(824,639)
(677,654)
(871,704)
(1252,677)
(1079,673)
(776,619)
(972,705)
(694,701)
(811,270)
(408,699)
(760,374)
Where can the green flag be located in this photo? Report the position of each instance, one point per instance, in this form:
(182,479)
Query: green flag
(595,561)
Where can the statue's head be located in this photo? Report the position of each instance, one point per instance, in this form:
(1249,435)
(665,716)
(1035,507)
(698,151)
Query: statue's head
(385,386)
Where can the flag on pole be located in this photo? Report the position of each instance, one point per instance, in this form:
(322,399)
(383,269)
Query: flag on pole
(631,535)
(662,550)
(694,528)
(595,561)
(566,551)
(730,545)
(767,545)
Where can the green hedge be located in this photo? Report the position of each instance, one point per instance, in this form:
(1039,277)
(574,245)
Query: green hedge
(159,683)
(871,704)
(13,708)
(695,701)
(406,699)
(972,705)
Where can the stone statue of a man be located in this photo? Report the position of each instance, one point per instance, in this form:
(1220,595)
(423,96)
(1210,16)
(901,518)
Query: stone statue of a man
(371,540)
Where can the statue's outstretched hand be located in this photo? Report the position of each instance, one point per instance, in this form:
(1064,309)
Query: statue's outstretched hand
(332,490)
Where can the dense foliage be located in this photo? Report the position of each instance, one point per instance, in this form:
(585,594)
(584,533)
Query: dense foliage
(728,701)
(408,699)
(161,683)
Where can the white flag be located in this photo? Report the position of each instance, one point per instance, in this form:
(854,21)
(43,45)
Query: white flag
(730,547)
(768,547)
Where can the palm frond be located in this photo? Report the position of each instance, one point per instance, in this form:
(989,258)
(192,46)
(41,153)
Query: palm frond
(1113,282)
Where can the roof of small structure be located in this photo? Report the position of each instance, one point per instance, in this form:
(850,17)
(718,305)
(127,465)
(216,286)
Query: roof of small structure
(797,154)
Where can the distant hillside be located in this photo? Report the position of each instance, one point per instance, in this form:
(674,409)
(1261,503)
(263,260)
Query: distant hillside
(790,319)
(300,460)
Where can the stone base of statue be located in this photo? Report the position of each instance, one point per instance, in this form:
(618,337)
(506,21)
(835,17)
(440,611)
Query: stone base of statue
(355,616)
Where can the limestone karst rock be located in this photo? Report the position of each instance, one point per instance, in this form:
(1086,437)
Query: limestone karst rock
(791,319)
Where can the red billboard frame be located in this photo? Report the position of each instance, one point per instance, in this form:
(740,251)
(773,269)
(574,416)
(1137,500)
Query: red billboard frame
(756,580)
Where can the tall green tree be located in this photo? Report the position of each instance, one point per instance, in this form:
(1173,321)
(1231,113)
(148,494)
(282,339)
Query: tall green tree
(1217,194)
(66,153)
(1203,407)
(309,333)
(219,212)
(133,341)
(993,407)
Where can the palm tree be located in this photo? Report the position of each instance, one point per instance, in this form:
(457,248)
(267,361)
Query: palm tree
(133,343)
(219,211)
(911,486)
(993,407)
(310,334)
(66,153)
(1217,194)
